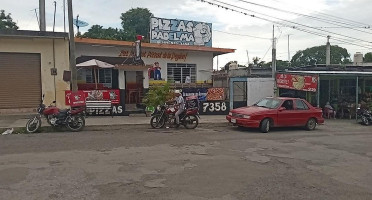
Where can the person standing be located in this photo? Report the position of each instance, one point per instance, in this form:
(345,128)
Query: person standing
(157,73)
(151,72)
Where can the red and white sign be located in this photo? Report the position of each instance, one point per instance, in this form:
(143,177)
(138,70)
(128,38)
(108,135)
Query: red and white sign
(76,99)
(93,95)
(297,82)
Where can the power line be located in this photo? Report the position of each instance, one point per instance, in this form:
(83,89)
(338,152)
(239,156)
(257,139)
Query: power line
(267,52)
(309,16)
(325,35)
(288,21)
(328,15)
(365,27)
(283,24)
(242,35)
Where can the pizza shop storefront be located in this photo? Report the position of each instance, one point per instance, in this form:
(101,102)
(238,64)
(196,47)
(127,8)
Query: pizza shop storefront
(128,81)
(344,90)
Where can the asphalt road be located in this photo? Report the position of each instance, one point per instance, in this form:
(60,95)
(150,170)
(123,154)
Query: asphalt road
(214,161)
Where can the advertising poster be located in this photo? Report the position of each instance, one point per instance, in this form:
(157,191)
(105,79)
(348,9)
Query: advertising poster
(95,95)
(201,93)
(184,32)
(216,94)
(297,82)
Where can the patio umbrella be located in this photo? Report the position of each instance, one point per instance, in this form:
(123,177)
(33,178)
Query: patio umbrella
(95,64)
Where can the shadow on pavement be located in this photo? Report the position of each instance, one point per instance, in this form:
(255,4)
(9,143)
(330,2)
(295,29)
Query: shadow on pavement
(272,130)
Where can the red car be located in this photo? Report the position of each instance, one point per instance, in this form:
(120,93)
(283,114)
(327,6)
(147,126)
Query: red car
(277,112)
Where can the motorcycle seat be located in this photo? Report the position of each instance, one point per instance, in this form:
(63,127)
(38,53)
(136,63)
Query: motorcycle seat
(63,111)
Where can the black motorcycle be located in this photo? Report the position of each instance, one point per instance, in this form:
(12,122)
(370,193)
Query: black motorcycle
(365,116)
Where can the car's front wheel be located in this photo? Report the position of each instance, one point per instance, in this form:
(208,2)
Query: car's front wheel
(311,124)
(265,126)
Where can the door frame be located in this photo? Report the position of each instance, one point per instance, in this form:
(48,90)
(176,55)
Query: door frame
(231,88)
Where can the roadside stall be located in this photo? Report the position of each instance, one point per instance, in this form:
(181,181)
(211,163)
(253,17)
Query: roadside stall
(95,83)
(345,91)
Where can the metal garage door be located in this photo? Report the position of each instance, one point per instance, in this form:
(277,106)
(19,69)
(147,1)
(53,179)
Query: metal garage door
(20,80)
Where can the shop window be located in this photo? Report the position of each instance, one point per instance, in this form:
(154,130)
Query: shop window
(347,90)
(178,73)
(368,85)
(85,75)
(104,76)
(300,105)
(89,76)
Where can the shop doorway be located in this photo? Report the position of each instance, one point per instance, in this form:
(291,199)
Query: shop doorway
(133,89)
(239,96)
(20,79)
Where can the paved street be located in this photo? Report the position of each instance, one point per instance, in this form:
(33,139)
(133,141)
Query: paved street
(214,161)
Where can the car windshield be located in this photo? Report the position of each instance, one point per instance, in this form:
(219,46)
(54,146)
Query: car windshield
(268,103)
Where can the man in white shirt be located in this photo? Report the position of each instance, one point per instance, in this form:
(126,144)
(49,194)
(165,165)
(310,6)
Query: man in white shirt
(330,110)
(180,102)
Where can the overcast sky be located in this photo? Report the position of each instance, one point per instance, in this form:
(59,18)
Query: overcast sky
(226,23)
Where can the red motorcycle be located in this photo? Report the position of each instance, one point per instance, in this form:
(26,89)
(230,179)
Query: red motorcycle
(73,119)
(165,114)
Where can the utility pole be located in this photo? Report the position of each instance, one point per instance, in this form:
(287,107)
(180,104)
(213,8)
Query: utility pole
(72,48)
(54,50)
(217,63)
(54,16)
(64,16)
(289,53)
(248,58)
(273,63)
(42,15)
(328,52)
(77,24)
(274,54)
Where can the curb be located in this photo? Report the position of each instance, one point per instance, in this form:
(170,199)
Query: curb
(49,129)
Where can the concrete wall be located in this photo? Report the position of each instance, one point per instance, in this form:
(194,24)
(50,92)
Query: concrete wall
(203,60)
(44,46)
(259,88)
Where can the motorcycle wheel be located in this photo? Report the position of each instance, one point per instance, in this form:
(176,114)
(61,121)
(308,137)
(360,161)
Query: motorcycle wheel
(75,123)
(157,121)
(365,121)
(33,124)
(191,122)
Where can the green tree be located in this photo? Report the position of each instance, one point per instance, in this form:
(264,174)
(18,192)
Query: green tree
(255,60)
(158,95)
(258,63)
(280,64)
(368,57)
(6,21)
(317,55)
(98,32)
(136,21)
